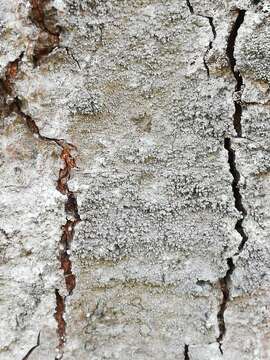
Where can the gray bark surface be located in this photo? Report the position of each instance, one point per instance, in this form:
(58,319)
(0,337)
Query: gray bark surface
(134,179)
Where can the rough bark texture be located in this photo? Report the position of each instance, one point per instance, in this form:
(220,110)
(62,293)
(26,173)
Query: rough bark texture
(135,179)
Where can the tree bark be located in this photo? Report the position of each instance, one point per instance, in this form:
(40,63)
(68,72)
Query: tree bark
(134,179)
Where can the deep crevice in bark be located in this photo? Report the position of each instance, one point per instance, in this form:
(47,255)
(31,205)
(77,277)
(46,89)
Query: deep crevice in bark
(190,7)
(237,116)
(225,289)
(225,281)
(32,348)
(186,352)
(236,193)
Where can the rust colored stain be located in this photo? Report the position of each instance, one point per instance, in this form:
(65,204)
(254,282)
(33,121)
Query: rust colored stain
(64,173)
(59,317)
(64,255)
(43,18)
(11,73)
(45,44)
(68,230)
(37,12)
(49,36)
(7,86)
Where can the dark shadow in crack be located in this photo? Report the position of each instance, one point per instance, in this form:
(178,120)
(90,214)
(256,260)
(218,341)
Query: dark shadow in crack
(237,116)
(33,348)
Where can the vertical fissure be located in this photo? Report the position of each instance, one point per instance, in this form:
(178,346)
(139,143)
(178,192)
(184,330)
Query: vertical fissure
(236,191)
(210,46)
(68,231)
(73,217)
(225,281)
(48,40)
(214,33)
(190,7)
(238,203)
(237,116)
(224,284)
(186,352)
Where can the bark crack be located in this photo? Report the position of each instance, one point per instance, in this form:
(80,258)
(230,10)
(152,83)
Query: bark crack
(210,45)
(225,282)
(238,203)
(68,231)
(213,29)
(236,193)
(190,7)
(70,53)
(71,209)
(49,38)
(186,352)
(237,116)
(33,348)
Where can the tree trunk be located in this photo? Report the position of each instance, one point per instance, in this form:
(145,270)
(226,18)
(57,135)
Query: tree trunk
(135,179)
